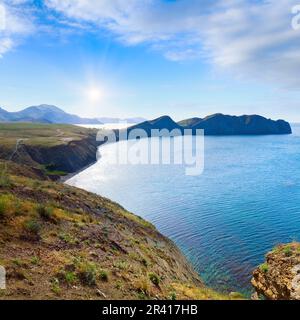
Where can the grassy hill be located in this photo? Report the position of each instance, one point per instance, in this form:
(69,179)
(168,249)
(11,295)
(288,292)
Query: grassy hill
(54,147)
(35,134)
(60,242)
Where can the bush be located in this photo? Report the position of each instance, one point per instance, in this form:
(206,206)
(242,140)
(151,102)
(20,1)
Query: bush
(154,278)
(33,227)
(45,212)
(173,296)
(87,273)
(3,208)
(5,181)
(264,267)
(103,275)
(70,277)
(288,251)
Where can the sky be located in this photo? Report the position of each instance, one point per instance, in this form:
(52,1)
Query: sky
(125,58)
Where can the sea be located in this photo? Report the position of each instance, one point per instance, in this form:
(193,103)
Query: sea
(245,202)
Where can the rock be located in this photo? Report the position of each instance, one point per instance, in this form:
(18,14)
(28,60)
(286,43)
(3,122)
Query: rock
(279,277)
(255,296)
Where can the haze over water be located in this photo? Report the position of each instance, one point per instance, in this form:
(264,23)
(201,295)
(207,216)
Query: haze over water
(246,201)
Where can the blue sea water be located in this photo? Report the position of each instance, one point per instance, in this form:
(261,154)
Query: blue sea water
(246,201)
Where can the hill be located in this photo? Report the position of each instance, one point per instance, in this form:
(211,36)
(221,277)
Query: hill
(60,242)
(44,114)
(56,148)
(220,124)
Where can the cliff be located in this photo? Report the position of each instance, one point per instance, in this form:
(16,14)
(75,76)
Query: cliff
(279,277)
(57,149)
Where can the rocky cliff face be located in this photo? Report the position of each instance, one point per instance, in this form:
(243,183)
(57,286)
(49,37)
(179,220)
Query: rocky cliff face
(279,277)
(69,157)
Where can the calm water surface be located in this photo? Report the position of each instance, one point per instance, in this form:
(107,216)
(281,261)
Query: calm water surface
(225,220)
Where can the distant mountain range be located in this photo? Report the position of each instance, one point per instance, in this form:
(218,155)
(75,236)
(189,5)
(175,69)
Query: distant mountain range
(220,124)
(52,114)
(44,114)
(216,124)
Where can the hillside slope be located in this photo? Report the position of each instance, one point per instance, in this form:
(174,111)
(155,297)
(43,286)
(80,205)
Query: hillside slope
(59,242)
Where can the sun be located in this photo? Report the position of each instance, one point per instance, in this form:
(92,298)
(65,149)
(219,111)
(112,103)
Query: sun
(94,94)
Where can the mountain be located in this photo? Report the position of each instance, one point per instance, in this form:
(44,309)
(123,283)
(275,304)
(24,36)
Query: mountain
(220,124)
(44,114)
(164,122)
(119,120)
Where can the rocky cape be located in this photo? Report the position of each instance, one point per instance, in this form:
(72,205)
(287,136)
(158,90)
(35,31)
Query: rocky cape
(279,277)
(219,124)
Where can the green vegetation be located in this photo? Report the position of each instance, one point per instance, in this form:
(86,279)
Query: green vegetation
(3,207)
(37,134)
(264,267)
(70,277)
(55,245)
(32,226)
(50,170)
(88,273)
(288,251)
(45,212)
(154,278)
(103,275)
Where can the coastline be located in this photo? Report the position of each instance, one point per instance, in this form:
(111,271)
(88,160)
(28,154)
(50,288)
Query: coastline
(69,176)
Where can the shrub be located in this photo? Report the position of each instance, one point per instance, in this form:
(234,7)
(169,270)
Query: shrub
(103,275)
(55,286)
(5,181)
(173,296)
(288,251)
(68,238)
(18,208)
(145,262)
(45,212)
(154,278)
(87,273)
(3,208)
(35,260)
(264,267)
(33,227)
(70,277)
(142,286)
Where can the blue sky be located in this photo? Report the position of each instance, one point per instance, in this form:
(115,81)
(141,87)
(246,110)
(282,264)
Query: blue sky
(151,57)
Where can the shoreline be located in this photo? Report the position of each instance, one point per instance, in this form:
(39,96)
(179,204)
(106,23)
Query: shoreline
(69,176)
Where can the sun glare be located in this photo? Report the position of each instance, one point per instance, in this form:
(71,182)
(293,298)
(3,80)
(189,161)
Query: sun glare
(94,94)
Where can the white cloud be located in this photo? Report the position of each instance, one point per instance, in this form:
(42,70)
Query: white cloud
(245,36)
(15,23)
